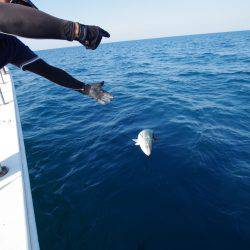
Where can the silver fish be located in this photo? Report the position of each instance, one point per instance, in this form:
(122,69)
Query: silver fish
(145,141)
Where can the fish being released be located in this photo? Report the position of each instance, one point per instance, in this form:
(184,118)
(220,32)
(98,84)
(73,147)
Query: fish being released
(145,141)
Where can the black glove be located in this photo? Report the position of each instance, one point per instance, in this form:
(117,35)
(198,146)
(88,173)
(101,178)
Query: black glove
(91,36)
(27,3)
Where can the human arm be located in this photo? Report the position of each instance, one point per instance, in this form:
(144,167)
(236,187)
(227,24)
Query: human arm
(64,79)
(28,22)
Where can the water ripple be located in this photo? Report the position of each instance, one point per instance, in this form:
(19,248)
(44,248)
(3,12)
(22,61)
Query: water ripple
(98,191)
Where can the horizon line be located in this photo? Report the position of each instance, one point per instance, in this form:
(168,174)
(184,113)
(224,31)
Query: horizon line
(152,38)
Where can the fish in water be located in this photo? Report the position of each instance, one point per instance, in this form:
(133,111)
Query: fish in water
(145,141)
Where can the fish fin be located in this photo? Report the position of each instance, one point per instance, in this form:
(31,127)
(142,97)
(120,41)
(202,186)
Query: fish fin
(136,141)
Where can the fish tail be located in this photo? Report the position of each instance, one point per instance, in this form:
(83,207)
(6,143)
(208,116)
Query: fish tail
(136,141)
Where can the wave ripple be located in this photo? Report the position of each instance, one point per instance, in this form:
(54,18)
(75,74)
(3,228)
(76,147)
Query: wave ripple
(93,189)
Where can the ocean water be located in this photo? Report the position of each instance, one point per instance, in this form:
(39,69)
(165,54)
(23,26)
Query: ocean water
(93,189)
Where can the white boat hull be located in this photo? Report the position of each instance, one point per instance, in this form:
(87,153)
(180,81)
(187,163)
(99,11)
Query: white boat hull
(17,220)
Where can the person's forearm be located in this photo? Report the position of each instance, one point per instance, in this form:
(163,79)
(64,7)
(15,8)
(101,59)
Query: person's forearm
(55,75)
(31,23)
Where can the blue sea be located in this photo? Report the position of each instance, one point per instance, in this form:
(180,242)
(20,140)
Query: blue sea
(94,190)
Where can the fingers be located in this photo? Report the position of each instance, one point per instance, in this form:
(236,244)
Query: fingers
(99,95)
(108,95)
(101,102)
(105,98)
(96,42)
(105,33)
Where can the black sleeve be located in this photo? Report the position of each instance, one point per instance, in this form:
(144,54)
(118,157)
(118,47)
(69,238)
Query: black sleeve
(31,23)
(13,51)
(54,74)
(23,55)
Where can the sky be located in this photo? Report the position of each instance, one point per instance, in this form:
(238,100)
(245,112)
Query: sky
(142,19)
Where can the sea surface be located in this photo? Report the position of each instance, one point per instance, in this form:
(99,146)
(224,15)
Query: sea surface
(94,190)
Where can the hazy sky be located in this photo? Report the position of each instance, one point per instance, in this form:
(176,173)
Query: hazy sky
(138,19)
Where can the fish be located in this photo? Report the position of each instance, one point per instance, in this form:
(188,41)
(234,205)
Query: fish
(145,141)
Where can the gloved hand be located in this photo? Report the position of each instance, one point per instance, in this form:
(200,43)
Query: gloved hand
(91,36)
(96,92)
